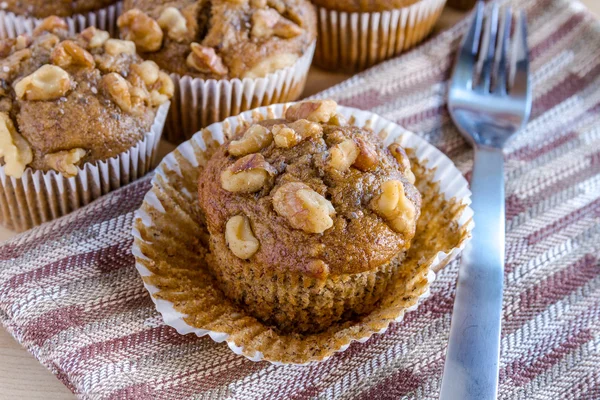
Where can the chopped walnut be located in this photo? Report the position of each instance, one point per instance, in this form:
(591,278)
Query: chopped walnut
(115,47)
(256,138)
(268,22)
(50,24)
(289,135)
(367,156)
(247,175)
(312,110)
(10,65)
(13,148)
(119,90)
(94,37)
(343,155)
(23,42)
(270,64)
(258,3)
(338,120)
(204,59)
(49,82)
(303,208)
(393,205)
(144,31)
(174,23)
(402,158)
(65,161)
(240,238)
(162,90)
(69,53)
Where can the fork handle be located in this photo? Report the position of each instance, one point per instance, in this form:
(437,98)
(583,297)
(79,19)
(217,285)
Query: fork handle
(471,367)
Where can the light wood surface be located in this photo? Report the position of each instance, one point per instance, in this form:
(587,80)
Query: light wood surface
(23,377)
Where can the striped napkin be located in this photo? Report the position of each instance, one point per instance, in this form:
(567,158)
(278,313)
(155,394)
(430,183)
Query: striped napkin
(70,294)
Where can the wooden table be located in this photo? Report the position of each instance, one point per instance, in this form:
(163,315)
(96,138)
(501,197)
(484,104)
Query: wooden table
(23,377)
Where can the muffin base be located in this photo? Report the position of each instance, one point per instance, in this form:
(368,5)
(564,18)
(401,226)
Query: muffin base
(39,196)
(13,25)
(352,42)
(171,247)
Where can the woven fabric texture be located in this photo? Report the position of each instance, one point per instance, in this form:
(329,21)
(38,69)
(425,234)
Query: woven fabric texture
(69,291)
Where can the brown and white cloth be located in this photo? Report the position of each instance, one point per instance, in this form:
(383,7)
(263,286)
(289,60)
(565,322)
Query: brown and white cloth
(69,291)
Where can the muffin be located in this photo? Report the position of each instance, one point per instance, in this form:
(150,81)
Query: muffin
(73,106)
(224,56)
(357,34)
(22,16)
(309,218)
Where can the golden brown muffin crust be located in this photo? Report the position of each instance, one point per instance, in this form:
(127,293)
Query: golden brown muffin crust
(61,8)
(220,39)
(359,238)
(364,5)
(73,102)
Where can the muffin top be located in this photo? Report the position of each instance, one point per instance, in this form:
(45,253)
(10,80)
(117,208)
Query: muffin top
(364,5)
(220,39)
(45,8)
(64,102)
(310,193)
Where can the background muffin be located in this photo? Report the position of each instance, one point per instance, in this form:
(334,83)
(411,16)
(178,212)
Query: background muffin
(356,34)
(67,102)
(259,52)
(309,218)
(45,8)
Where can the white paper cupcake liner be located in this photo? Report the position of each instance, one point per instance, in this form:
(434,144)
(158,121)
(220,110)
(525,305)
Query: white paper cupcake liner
(355,41)
(192,155)
(13,25)
(38,196)
(198,103)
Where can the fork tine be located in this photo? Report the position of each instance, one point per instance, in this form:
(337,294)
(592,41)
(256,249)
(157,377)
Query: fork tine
(504,36)
(488,50)
(520,63)
(467,56)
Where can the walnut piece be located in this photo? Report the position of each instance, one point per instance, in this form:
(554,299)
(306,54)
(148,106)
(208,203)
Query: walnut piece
(393,205)
(49,82)
(289,135)
(148,71)
(400,155)
(271,64)
(247,175)
(256,138)
(119,90)
(13,147)
(367,156)
(303,208)
(115,47)
(162,90)
(268,22)
(50,24)
(240,238)
(94,37)
(65,161)
(70,53)
(173,22)
(343,155)
(312,110)
(144,31)
(204,59)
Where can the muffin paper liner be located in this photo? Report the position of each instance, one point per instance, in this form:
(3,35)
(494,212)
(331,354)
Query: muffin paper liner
(171,247)
(198,102)
(355,41)
(13,25)
(38,196)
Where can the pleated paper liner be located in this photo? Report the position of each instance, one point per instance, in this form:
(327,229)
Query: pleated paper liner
(38,196)
(13,25)
(171,244)
(352,42)
(198,102)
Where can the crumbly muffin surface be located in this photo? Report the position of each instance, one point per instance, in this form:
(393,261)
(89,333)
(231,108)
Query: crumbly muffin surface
(309,194)
(61,8)
(220,39)
(364,5)
(66,101)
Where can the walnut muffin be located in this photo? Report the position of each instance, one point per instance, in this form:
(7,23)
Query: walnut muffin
(357,34)
(220,39)
(69,101)
(309,218)
(45,8)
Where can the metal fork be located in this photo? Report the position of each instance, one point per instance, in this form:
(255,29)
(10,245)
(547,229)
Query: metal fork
(488,111)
